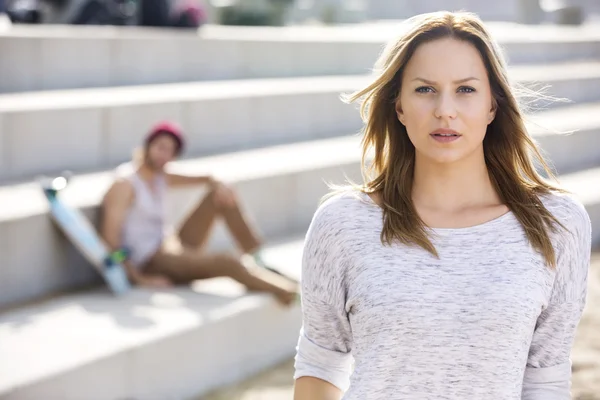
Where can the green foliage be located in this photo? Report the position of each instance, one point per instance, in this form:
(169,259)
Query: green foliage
(240,16)
(234,16)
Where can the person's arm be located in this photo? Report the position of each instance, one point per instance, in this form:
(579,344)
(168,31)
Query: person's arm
(116,202)
(548,371)
(323,360)
(308,387)
(176,180)
(224,195)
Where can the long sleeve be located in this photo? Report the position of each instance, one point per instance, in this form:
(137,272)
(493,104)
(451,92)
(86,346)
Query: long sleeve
(548,372)
(325,343)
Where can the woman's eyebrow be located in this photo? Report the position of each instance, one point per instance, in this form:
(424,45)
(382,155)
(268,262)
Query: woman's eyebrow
(471,78)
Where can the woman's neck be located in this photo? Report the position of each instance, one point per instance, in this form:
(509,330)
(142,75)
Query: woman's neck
(453,187)
(146,173)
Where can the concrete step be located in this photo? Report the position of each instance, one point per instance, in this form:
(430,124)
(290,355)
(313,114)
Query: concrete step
(97,128)
(510,10)
(382,9)
(565,131)
(285,181)
(90,129)
(117,56)
(174,344)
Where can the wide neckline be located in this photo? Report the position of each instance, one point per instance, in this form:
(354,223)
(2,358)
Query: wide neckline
(486,225)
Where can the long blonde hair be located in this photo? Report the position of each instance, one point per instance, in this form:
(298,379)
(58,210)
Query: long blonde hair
(510,153)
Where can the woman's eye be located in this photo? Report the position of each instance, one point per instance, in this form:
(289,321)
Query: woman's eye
(424,89)
(466,89)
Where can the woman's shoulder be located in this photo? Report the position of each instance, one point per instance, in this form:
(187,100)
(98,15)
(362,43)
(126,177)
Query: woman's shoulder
(342,208)
(570,212)
(342,203)
(566,208)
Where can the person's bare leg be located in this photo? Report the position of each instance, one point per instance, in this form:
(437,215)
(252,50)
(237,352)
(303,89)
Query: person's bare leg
(244,234)
(195,231)
(260,279)
(188,265)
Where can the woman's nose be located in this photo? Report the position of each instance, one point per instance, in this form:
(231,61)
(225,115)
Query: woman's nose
(445,106)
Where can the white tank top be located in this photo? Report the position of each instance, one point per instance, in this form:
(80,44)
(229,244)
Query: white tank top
(144,228)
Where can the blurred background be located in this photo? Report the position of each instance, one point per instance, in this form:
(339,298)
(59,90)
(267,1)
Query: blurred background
(256,86)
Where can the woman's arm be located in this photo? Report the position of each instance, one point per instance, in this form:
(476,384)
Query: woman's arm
(309,388)
(323,361)
(548,372)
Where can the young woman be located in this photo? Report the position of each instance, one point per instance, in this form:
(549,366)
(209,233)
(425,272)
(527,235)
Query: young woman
(456,272)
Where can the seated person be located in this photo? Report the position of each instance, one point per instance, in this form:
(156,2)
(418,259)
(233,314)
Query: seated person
(133,218)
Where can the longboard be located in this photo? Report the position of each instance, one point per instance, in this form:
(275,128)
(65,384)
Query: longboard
(81,233)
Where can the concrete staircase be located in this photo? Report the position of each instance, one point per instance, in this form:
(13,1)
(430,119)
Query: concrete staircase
(262,111)
(109,57)
(525,11)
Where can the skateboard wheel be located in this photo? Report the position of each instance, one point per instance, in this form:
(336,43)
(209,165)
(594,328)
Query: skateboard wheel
(67,175)
(50,192)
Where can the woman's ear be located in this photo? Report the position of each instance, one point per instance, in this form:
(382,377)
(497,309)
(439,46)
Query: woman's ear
(492,113)
(399,112)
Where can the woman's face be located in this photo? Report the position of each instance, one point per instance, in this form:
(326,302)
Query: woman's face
(445,102)
(162,150)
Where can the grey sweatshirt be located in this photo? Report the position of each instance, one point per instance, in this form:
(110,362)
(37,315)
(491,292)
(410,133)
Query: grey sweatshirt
(486,320)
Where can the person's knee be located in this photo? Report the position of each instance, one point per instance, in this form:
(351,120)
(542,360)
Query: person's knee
(213,196)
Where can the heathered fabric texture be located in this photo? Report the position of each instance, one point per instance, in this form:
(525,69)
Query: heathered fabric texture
(487,320)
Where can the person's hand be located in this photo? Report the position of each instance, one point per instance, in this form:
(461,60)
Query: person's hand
(212,182)
(154,282)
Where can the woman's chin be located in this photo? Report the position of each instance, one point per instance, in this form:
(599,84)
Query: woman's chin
(445,157)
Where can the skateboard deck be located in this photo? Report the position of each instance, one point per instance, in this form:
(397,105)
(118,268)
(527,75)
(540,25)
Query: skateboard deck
(81,233)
